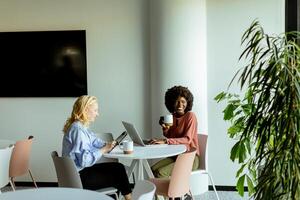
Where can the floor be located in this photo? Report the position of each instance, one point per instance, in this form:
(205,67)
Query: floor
(210,195)
(224,195)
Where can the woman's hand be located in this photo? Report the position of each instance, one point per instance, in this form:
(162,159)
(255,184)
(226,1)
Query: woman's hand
(165,128)
(158,141)
(108,147)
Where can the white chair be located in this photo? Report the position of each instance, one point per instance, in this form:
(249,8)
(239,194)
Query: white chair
(68,176)
(108,137)
(54,193)
(5,154)
(6,143)
(202,141)
(143,190)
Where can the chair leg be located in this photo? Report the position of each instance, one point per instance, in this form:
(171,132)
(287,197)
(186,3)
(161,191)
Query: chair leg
(211,180)
(116,194)
(32,178)
(133,178)
(12,183)
(191,194)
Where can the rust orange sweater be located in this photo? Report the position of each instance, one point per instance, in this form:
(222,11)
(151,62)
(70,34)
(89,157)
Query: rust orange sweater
(184,131)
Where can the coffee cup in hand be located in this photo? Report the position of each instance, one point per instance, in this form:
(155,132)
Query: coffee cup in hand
(168,120)
(127,146)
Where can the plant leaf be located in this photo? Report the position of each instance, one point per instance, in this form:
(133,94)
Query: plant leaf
(240,185)
(228,111)
(221,96)
(234,151)
(250,186)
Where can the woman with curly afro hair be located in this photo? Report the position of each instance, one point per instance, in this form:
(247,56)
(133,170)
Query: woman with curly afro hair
(179,102)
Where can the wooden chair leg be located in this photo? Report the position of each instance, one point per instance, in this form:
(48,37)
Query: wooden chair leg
(12,183)
(116,195)
(191,194)
(32,178)
(213,184)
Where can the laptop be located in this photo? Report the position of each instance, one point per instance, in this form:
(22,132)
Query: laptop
(132,132)
(135,136)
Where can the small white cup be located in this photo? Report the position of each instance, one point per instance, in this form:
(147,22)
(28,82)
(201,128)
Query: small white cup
(168,120)
(127,146)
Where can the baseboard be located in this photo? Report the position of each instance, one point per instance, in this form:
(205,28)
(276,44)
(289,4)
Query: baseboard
(54,184)
(42,184)
(225,188)
(39,184)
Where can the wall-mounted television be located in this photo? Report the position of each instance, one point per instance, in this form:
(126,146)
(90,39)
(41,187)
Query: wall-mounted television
(43,63)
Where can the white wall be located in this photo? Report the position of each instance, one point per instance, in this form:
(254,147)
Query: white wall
(178,55)
(117,57)
(118,50)
(226,21)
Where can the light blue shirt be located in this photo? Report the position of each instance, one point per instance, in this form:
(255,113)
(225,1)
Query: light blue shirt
(82,145)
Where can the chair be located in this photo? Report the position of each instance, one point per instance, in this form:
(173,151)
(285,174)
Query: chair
(19,161)
(108,137)
(6,143)
(202,141)
(143,190)
(178,184)
(5,154)
(68,176)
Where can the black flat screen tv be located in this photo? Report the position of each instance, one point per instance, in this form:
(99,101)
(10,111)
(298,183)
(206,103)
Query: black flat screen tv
(43,63)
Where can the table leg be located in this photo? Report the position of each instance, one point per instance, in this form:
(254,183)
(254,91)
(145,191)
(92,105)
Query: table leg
(150,174)
(131,168)
(148,168)
(140,170)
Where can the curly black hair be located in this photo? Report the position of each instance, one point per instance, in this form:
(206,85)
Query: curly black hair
(172,95)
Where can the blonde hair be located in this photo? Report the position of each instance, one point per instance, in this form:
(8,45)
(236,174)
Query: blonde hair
(79,111)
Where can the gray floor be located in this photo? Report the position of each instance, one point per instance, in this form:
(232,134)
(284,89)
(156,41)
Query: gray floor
(224,195)
(210,195)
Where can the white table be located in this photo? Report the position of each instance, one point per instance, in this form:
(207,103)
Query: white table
(54,193)
(141,154)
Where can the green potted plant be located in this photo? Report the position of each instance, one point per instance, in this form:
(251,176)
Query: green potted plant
(265,117)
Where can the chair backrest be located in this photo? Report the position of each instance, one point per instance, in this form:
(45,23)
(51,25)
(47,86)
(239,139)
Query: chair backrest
(143,190)
(202,142)
(5,155)
(180,176)
(66,172)
(107,137)
(6,143)
(19,162)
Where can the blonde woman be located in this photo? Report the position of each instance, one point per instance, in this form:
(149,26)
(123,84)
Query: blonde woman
(81,144)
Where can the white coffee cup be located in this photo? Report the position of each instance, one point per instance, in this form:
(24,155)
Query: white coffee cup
(168,120)
(127,146)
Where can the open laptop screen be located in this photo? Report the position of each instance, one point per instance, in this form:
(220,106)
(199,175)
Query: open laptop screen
(132,132)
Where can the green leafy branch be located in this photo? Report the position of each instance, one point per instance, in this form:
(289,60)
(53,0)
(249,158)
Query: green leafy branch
(265,121)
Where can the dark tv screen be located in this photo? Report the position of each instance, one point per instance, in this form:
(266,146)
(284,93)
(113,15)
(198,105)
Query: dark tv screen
(43,63)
